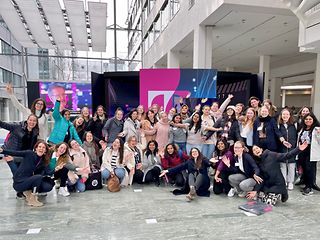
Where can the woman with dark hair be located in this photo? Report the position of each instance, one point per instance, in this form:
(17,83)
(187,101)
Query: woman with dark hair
(310,133)
(197,168)
(239,110)
(25,180)
(113,162)
(131,126)
(63,130)
(23,136)
(172,158)
(97,123)
(178,135)
(265,131)
(288,130)
(38,108)
(272,186)
(207,123)
(227,127)
(151,163)
(222,161)
(194,134)
(148,124)
(79,125)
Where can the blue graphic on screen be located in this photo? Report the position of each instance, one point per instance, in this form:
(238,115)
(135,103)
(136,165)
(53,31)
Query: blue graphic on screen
(201,83)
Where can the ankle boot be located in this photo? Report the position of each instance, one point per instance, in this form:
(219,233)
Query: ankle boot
(27,194)
(33,201)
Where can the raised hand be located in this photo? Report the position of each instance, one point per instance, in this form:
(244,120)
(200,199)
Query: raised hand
(9,89)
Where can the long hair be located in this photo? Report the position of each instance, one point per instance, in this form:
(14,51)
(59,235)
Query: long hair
(177,115)
(81,127)
(155,151)
(197,125)
(104,112)
(36,127)
(314,124)
(175,151)
(155,120)
(199,158)
(226,146)
(121,149)
(290,120)
(33,106)
(95,145)
(246,119)
(46,157)
(131,113)
(64,158)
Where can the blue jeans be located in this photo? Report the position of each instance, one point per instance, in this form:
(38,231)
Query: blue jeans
(81,187)
(182,146)
(189,146)
(119,172)
(207,150)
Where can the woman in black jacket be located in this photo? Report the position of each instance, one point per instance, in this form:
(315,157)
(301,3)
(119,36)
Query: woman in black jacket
(198,179)
(25,180)
(273,186)
(97,123)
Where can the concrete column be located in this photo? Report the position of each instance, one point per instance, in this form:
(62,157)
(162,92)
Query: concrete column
(202,47)
(173,59)
(264,67)
(275,88)
(283,102)
(315,99)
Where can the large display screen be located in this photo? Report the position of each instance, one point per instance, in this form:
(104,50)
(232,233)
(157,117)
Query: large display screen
(73,96)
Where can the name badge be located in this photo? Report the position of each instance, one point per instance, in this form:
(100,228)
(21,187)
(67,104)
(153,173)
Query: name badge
(237,164)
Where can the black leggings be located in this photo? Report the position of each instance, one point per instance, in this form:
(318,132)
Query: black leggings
(138,176)
(178,179)
(62,174)
(33,183)
(309,172)
(152,175)
(224,186)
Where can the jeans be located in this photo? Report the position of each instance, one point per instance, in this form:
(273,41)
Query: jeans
(119,172)
(182,146)
(81,187)
(30,183)
(189,146)
(196,180)
(241,182)
(207,150)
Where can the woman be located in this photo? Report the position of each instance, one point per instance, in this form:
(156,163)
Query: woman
(60,165)
(239,110)
(245,172)
(162,130)
(23,136)
(25,180)
(148,125)
(288,130)
(92,149)
(227,127)
(97,123)
(63,130)
(151,163)
(172,158)
(246,128)
(131,126)
(216,111)
(133,159)
(113,163)
(254,103)
(141,113)
(273,186)
(272,109)
(265,131)
(178,135)
(197,168)
(310,133)
(38,108)
(113,127)
(79,125)
(172,112)
(207,123)
(79,158)
(85,114)
(194,135)
(222,161)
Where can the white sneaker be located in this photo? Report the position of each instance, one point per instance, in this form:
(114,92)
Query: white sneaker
(64,191)
(231,192)
(290,186)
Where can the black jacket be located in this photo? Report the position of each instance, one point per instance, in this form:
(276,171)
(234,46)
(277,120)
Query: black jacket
(249,165)
(273,181)
(30,164)
(290,134)
(234,131)
(96,128)
(190,166)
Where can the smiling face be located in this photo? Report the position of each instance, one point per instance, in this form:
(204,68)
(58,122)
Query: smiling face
(230,112)
(39,105)
(152,146)
(89,137)
(177,119)
(66,115)
(62,149)
(308,121)
(254,103)
(134,115)
(100,111)
(79,121)
(250,114)
(194,153)
(41,149)
(264,112)
(75,145)
(184,109)
(196,118)
(214,107)
(221,146)
(305,111)
(119,115)
(132,142)
(85,112)
(285,115)
(257,151)
(32,122)
(238,149)
(116,144)
(206,110)
(170,149)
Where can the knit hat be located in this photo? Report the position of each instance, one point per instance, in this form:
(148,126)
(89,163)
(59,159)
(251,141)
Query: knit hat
(232,107)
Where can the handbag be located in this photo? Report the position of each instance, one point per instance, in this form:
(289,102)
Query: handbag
(94,180)
(113,183)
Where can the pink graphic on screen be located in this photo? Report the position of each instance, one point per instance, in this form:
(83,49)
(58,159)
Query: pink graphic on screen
(158,86)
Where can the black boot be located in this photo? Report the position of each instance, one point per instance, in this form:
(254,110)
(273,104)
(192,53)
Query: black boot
(316,187)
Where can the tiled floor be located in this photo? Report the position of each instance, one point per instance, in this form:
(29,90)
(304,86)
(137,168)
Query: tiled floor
(103,215)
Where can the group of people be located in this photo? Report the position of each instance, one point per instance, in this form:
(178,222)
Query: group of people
(253,151)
